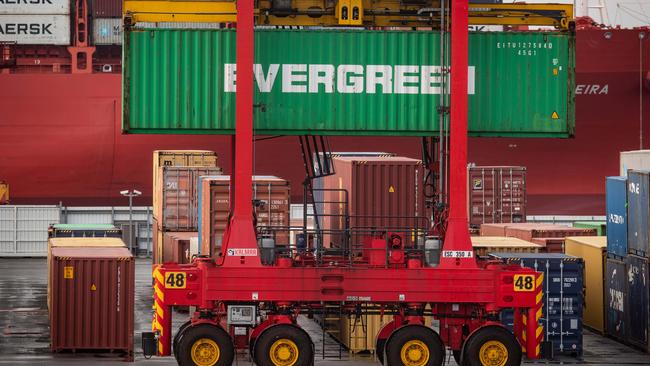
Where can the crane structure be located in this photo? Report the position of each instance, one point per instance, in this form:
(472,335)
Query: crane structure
(244,301)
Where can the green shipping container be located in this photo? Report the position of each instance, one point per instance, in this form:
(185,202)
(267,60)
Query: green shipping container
(600,226)
(346,82)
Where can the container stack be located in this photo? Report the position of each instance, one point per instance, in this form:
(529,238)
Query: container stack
(497,194)
(550,236)
(626,281)
(91,286)
(176,176)
(563,299)
(107,21)
(272,210)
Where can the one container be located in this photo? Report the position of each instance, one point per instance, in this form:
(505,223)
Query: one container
(50,7)
(374,194)
(634,160)
(599,226)
(563,297)
(92,300)
(616,299)
(176,246)
(529,231)
(551,245)
(107,31)
(637,212)
(43,29)
(493,229)
(637,294)
(537,107)
(501,244)
(106,8)
(178,210)
(593,250)
(497,194)
(617,220)
(161,158)
(84,230)
(272,194)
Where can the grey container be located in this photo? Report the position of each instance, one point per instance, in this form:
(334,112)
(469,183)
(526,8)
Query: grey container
(107,31)
(616,299)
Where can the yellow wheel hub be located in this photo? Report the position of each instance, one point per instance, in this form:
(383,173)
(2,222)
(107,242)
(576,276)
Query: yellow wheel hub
(493,353)
(284,352)
(205,352)
(415,353)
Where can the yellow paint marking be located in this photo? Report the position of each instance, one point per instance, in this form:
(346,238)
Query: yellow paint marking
(158,276)
(539,331)
(391,189)
(539,297)
(159,293)
(538,316)
(540,280)
(555,115)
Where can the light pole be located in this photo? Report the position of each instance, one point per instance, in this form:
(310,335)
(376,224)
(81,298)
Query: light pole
(130,193)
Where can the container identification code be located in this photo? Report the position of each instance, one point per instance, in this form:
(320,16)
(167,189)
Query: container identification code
(242,252)
(457,254)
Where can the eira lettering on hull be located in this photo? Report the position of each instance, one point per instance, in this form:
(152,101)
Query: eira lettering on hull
(323,78)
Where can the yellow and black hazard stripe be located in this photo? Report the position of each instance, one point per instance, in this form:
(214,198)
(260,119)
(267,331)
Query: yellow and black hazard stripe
(158,306)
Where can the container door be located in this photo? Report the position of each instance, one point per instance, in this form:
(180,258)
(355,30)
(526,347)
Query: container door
(637,281)
(638,213)
(617,216)
(616,299)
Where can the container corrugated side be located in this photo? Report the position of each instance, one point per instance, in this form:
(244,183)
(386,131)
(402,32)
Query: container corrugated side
(593,250)
(92,300)
(616,299)
(47,7)
(638,291)
(497,194)
(617,220)
(563,298)
(106,8)
(483,245)
(107,31)
(638,213)
(42,29)
(599,226)
(503,100)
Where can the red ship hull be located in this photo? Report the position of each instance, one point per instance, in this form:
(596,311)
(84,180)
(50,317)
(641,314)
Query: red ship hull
(62,141)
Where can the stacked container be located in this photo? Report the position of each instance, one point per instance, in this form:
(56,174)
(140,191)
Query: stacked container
(497,194)
(48,22)
(176,175)
(616,191)
(107,22)
(550,236)
(563,298)
(272,196)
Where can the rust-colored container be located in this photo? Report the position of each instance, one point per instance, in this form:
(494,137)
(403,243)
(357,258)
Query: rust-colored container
(273,195)
(178,192)
(551,245)
(493,229)
(529,231)
(497,194)
(176,246)
(92,300)
(383,193)
(499,244)
(106,8)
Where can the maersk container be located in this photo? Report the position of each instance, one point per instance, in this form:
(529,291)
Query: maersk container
(563,297)
(616,201)
(107,31)
(49,7)
(346,82)
(637,212)
(616,299)
(35,29)
(638,291)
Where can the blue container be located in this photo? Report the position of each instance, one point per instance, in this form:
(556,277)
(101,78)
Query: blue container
(637,290)
(616,299)
(616,216)
(637,212)
(563,297)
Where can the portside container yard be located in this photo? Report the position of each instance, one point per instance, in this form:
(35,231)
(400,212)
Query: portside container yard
(638,291)
(92,300)
(617,220)
(616,299)
(593,250)
(638,214)
(563,298)
(168,94)
(497,194)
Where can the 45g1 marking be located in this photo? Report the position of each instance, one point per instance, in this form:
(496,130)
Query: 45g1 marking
(175,280)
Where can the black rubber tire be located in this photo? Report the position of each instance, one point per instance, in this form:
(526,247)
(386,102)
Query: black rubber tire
(415,332)
(456,355)
(193,333)
(380,347)
(178,336)
(264,342)
(491,333)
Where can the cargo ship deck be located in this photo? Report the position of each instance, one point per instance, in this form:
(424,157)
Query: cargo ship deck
(24,331)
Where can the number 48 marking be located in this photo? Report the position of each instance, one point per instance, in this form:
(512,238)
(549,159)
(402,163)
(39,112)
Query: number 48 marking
(524,283)
(175,280)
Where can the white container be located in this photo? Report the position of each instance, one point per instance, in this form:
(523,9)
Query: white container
(32,7)
(636,160)
(23,229)
(107,31)
(35,29)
